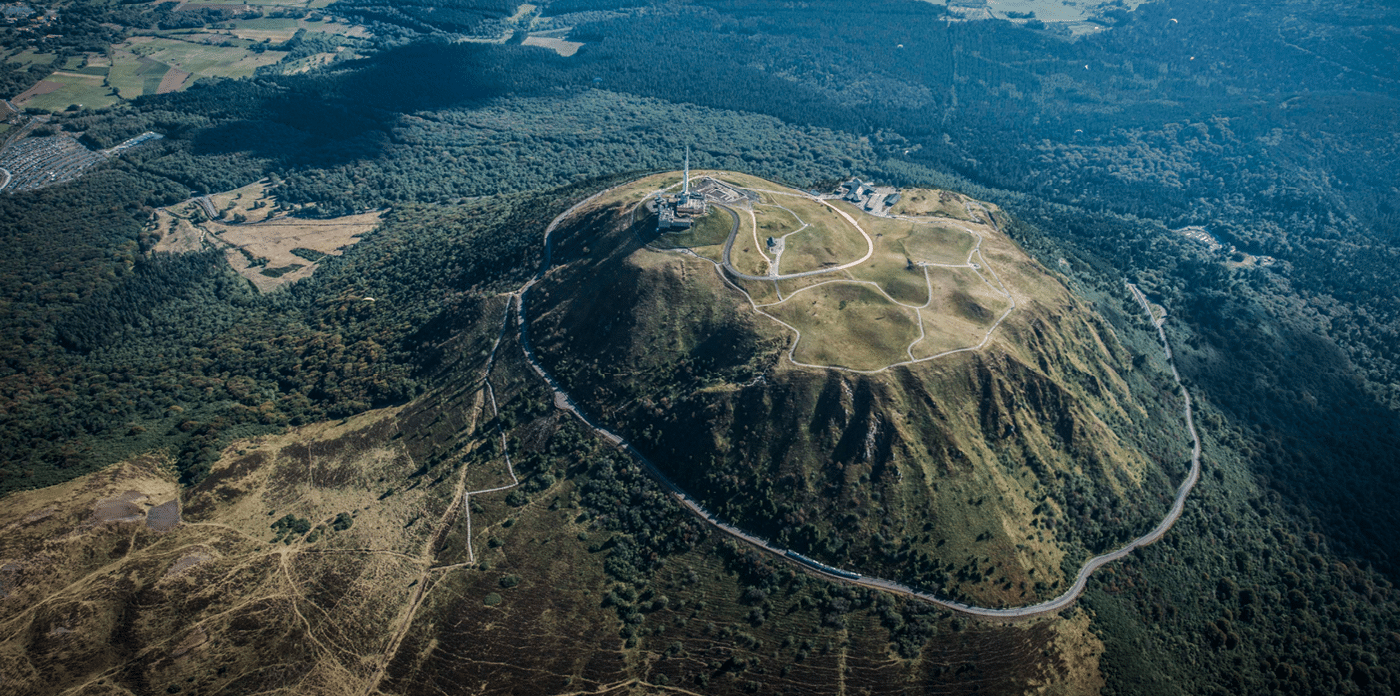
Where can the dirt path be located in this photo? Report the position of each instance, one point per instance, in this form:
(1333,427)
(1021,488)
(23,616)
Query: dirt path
(461,498)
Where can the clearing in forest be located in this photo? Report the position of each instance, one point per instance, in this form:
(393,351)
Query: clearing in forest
(556,44)
(282,250)
(259,240)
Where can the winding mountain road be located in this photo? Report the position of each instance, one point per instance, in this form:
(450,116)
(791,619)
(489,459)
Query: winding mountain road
(1064,600)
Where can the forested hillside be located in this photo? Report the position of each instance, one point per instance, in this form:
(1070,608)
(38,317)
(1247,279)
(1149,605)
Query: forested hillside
(112,351)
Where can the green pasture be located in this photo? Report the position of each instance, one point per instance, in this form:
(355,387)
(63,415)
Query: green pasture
(829,239)
(134,76)
(28,57)
(848,324)
(86,90)
(202,59)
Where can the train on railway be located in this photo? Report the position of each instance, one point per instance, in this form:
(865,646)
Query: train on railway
(823,567)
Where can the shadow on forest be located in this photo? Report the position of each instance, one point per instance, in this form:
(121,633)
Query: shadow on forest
(350,114)
(1326,445)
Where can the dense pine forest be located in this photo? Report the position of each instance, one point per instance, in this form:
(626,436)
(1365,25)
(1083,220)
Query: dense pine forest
(1273,125)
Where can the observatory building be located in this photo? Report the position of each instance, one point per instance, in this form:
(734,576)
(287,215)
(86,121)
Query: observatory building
(678,212)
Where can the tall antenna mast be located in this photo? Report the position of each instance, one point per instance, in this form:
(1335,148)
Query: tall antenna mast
(687,171)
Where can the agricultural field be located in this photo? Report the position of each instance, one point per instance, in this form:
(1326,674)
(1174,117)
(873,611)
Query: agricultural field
(168,60)
(28,57)
(133,76)
(62,89)
(280,29)
(204,60)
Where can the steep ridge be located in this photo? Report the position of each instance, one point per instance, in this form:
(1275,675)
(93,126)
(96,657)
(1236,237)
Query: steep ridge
(986,476)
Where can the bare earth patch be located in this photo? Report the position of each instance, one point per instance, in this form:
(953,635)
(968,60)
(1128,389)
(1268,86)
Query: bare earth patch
(190,560)
(164,517)
(122,507)
(173,80)
(559,46)
(43,87)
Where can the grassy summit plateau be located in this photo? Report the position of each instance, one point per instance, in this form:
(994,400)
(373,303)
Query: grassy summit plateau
(921,427)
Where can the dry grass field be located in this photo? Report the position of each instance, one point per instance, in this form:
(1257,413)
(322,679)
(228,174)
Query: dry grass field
(251,202)
(918,202)
(274,240)
(259,241)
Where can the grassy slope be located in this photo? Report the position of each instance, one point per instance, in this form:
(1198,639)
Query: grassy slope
(849,325)
(86,90)
(213,606)
(827,241)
